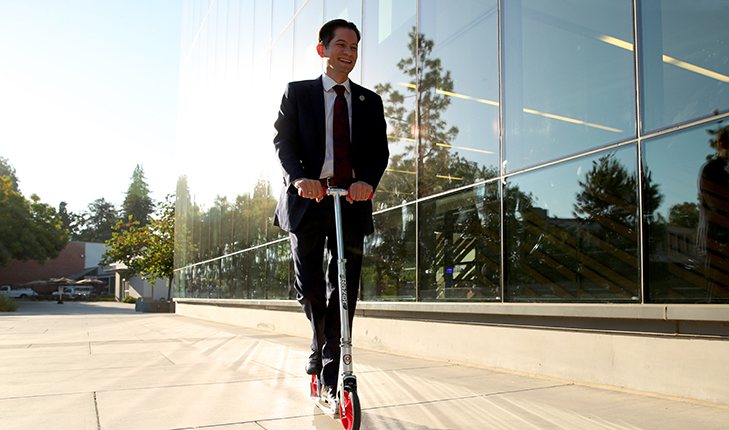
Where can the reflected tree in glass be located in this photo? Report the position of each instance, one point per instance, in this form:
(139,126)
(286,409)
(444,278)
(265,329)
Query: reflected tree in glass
(388,271)
(591,256)
(607,211)
(459,253)
(436,168)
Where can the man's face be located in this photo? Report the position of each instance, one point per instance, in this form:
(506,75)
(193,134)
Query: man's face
(341,54)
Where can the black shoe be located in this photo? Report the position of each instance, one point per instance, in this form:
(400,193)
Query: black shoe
(313,366)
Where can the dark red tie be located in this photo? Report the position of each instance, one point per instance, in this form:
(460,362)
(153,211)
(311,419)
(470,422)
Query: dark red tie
(342,162)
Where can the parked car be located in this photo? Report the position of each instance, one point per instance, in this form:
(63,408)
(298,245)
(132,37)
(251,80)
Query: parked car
(17,293)
(75,293)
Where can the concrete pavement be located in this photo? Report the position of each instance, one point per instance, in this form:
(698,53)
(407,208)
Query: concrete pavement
(101,365)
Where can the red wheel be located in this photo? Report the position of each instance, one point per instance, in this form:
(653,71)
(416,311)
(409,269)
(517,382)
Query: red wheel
(349,410)
(314,386)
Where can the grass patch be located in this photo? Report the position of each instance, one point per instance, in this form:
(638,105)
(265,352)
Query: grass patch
(7,304)
(129,299)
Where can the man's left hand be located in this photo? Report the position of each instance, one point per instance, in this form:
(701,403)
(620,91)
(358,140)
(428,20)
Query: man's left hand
(359,191)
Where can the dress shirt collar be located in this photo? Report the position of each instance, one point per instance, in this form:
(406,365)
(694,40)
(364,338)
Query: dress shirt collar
(329,83)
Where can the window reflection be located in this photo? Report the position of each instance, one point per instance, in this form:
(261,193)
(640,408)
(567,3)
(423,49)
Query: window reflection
(459,238)
(306,62)
(385,33)
(568,81)
(449,136)
(227,226)
(572,231)
(388,271)
(684,72)
(279,284)
(689,233)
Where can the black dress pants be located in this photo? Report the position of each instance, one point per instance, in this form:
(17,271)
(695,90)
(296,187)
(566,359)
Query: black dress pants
(317,291)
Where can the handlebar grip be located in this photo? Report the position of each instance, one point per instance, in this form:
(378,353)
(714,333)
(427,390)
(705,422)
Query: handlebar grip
(372,194)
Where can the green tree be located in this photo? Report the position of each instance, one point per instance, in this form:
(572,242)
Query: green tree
(146,250)
(69,220)
(6,169)
(96,224)
(29,230)
(684,214)
(137,203)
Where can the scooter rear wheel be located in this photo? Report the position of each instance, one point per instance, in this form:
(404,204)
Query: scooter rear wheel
(349,410)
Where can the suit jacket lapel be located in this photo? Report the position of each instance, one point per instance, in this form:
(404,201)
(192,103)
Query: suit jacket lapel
(316,95)
(356,112)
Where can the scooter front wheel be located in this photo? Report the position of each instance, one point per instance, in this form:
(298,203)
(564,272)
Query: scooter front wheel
(349,410)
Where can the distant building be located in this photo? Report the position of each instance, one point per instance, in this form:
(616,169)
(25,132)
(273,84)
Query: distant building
(77,261)
(136,286)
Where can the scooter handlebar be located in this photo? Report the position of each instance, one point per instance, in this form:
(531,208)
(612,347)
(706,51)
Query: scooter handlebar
(341,192)
(331,191)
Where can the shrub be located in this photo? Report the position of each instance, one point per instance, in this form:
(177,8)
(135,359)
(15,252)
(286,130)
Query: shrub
(129,299)
(7,304)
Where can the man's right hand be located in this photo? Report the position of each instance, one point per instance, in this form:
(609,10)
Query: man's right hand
(310,188)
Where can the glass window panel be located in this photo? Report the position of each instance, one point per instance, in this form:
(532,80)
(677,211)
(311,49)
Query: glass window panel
(219,22)
(282,49)
(242,268)
(459,246)
(572,230)
(568,78)
(280,284)
(388,270)
(232,17)
(246,28)
(262,29)
(683,60)
(351,10)
(387,29)
(257,274)
(282,13)
(282,68)
(686,217)
(307,63)
(458,94)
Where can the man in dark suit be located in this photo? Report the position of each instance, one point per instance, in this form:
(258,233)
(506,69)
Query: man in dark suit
(311,132)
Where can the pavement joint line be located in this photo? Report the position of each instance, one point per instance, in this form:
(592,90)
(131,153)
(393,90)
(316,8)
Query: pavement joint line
(404,369)
(119,390)
(108,342)
(96,407)
(474,396)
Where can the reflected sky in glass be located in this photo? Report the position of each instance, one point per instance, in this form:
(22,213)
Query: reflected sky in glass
(568,78)
(684,67)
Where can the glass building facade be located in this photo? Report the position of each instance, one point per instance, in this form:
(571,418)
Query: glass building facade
(541,150)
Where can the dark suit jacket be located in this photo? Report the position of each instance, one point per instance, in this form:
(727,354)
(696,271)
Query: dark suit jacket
(300,143)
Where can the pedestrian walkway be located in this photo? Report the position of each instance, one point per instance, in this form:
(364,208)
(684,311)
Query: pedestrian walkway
(102,366)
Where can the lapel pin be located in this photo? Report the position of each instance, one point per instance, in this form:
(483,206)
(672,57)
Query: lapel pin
(361,98)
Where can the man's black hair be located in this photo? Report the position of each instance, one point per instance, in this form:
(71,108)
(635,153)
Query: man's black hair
(326,33)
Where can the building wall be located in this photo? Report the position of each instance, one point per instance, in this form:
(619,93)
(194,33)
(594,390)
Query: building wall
(71,260)
(542,152)
(138,288)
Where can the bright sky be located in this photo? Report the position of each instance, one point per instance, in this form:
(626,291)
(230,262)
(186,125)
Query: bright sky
(88,90)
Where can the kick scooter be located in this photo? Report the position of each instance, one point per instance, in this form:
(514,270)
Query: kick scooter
(347,406)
